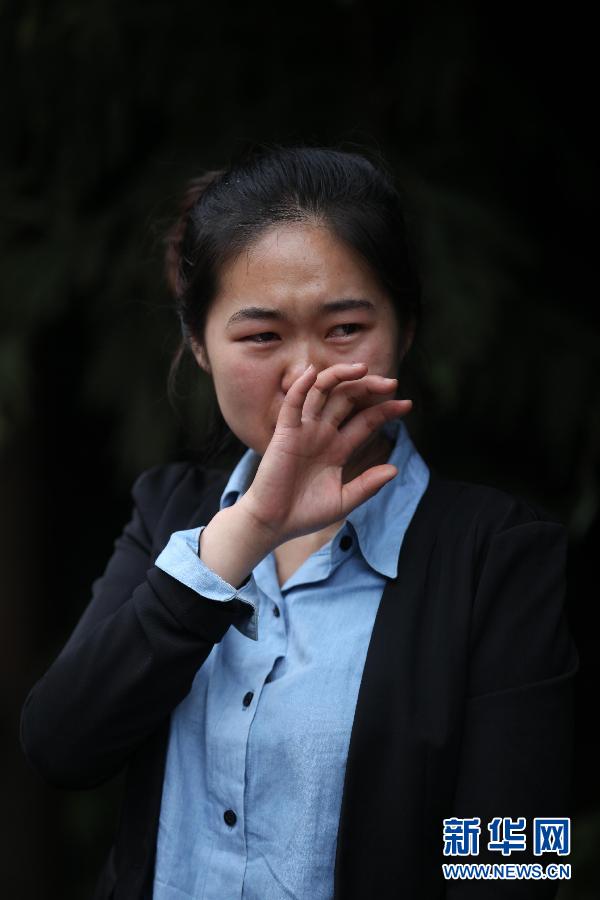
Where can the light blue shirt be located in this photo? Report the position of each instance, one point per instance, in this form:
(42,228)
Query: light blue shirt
(257,750)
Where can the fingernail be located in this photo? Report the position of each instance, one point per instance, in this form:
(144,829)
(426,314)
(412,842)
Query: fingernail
(310,366)
(356,365)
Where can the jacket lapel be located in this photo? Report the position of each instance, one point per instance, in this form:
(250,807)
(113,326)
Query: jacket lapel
(383,815)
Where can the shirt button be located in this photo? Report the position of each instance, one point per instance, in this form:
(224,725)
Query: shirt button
(230,817)
(276,611)
(346,542)
(248,698)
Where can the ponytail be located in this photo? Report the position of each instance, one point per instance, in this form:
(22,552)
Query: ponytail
(179,241)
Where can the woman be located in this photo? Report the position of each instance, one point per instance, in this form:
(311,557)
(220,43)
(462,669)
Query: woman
(399,655)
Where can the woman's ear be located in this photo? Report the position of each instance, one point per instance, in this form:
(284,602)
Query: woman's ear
(200,356)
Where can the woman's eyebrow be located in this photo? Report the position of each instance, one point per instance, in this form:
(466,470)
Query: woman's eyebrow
(331,306)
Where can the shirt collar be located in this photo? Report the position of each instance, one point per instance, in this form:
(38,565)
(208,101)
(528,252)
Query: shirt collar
(241,477)
(380,522)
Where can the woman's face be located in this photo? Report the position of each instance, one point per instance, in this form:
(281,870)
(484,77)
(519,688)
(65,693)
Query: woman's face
(297,296)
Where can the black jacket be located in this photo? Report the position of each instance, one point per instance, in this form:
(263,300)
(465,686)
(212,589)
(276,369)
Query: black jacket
(464,707)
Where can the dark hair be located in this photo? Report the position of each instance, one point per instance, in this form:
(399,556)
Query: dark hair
(227,210)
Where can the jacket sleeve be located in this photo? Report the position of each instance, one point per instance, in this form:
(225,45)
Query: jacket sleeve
(516,756)
(181,560)
(130,660)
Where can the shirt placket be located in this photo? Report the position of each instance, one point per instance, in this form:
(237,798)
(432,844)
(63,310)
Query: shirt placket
(241,684)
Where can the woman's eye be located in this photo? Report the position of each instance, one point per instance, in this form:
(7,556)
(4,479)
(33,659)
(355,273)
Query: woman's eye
(257,338)
(354,325)
(265,337)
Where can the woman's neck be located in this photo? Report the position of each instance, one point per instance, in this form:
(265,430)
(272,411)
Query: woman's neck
(374,452)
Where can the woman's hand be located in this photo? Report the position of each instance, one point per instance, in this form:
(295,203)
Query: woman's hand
(298,487)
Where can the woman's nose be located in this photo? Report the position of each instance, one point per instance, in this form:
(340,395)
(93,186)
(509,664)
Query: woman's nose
(299,365)
(292,372)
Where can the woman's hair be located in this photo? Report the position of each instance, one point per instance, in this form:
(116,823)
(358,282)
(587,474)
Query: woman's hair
(225,211)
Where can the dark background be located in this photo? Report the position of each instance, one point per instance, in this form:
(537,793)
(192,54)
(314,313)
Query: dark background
(487,117)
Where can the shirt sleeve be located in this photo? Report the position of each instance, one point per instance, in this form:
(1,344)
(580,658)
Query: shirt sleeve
(180,559)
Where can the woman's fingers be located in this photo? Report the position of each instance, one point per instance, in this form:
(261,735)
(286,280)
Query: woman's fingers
(317,386)
(290,414)
(318,397)
(360,427)
(366,485)
(352,396)
(312,397)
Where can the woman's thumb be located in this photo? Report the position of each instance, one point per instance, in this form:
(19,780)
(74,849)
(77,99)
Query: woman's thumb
(366,485)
